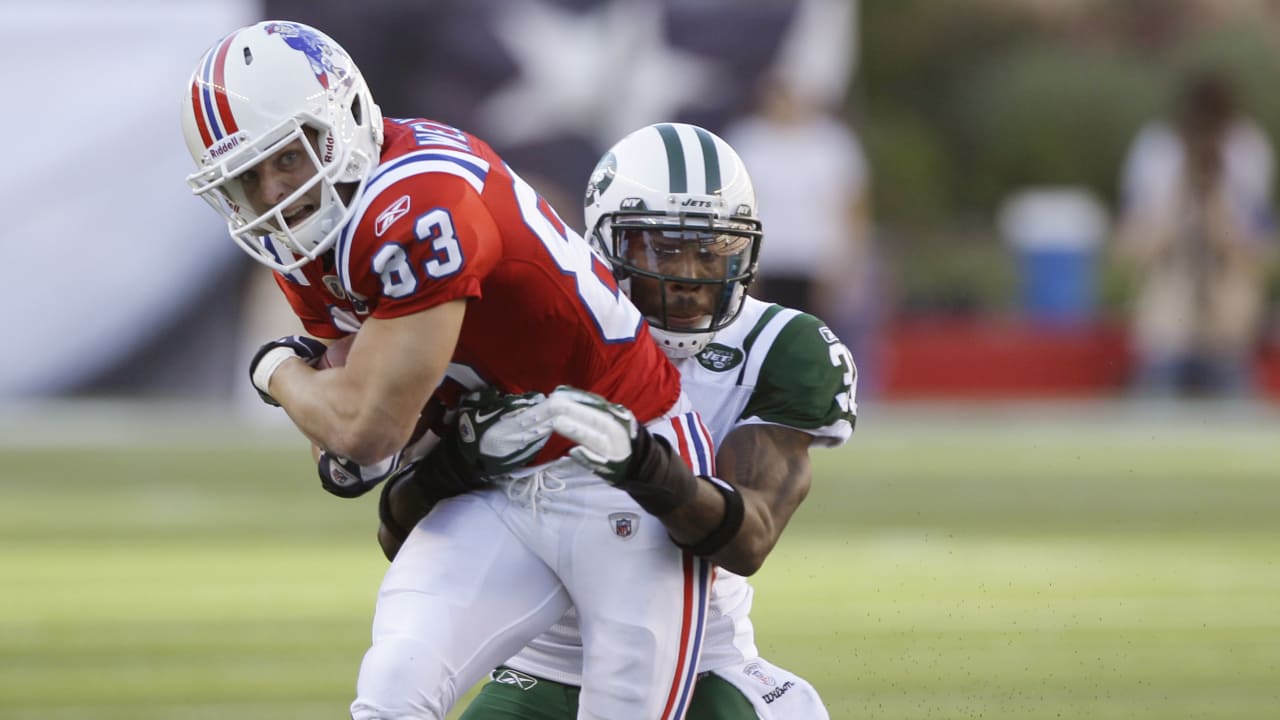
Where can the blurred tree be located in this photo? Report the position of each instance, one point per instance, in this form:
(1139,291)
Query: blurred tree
(962,103)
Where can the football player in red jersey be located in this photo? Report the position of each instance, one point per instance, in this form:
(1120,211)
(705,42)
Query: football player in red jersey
(453,273)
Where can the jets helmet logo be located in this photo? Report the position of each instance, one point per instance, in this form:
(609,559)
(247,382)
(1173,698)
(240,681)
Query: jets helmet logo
(601,178)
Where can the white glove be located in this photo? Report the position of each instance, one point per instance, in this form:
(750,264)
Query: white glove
(605,432)
(500,433)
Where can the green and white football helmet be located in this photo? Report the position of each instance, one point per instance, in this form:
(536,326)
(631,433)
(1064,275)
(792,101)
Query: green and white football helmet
(672,208)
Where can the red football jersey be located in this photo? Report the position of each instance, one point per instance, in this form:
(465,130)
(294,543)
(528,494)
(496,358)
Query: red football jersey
(443,217)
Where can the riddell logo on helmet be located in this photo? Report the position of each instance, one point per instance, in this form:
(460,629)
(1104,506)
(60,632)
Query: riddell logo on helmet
(224,146)
(328,149)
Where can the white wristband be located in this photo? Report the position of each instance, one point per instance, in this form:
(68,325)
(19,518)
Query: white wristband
(267,366)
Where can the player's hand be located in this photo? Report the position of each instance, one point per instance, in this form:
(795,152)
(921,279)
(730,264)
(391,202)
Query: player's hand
(349,479)
(613,445)
(271,355)
(491,435)
(606,432)
(497,434)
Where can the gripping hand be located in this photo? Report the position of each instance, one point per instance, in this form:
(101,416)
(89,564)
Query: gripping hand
(497,434)
(271,355)
(606,432)
(613,445)
(348,479)
(491,435)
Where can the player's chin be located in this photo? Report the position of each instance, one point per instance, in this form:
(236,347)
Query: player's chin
(698,321)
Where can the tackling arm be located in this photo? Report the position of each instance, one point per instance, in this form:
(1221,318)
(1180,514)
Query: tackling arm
(367,409)
(768,465)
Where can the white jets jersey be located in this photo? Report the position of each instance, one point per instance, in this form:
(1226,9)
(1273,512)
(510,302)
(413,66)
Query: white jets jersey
(773,365)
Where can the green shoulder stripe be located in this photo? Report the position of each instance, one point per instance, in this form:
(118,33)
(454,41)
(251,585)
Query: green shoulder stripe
(807,379)
(751,337)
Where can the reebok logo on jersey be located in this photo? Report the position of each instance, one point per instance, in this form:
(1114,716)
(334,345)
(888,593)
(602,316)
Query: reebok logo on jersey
(388,217)
(720,358)
(827,335)
(624,524)
(507,676)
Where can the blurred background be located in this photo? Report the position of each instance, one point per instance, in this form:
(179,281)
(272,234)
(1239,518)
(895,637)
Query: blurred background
(959,189)
(1045,228)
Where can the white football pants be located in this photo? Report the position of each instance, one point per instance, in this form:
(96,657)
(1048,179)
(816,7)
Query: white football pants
(486,572)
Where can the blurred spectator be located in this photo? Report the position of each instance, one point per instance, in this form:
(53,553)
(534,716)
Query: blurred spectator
(1196,222)
(812,184)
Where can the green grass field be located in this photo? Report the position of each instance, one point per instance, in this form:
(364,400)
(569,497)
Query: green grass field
(1059,562)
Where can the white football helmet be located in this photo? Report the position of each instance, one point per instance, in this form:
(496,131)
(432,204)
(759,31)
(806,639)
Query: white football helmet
(256,91)
(672,208)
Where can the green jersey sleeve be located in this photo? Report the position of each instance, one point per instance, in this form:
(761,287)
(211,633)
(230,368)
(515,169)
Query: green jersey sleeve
(807,381)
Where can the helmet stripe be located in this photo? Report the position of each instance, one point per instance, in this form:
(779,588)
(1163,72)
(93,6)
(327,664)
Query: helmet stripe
(710,158)
(211,120)
(199,113)
(220,86)
(214,92)
(678,176)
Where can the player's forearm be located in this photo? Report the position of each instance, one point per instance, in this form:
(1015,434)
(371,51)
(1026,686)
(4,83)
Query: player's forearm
(744,552)
(770,471)
(335,414)
(691,522)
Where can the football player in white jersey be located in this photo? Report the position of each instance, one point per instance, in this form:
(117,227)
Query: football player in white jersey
(770,382)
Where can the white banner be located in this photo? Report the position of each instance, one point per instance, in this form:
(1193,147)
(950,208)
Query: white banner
(102,243)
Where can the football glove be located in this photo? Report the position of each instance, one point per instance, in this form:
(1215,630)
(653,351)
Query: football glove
(349,479)
(269,357)
(605,431)
(491,435)
(497,434)
(613,445)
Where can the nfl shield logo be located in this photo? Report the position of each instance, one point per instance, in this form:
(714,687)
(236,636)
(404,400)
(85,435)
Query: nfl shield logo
(624,524)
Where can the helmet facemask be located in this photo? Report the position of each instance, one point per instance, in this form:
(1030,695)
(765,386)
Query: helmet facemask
(256,93)
(687,273)
(267,235)
(672,208)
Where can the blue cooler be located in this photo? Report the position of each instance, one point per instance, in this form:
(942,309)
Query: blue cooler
(1055,233)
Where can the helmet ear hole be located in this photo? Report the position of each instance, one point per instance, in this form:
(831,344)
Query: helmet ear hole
(357,110)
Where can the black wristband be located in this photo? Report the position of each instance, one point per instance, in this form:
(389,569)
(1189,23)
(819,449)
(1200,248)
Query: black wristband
(657,478)
(729,525)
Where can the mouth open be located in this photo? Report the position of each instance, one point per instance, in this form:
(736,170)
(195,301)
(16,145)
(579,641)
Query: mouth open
(298,215)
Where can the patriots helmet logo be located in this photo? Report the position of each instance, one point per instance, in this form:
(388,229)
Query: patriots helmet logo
(319,53)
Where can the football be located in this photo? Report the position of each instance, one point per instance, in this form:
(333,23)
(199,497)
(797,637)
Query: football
(336,355)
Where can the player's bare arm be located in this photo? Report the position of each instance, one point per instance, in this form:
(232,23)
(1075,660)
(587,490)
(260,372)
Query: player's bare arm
(367,409)
(769,467)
